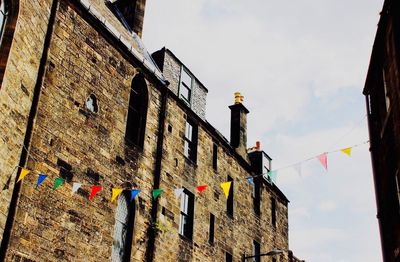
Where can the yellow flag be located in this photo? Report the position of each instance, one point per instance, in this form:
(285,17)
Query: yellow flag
(23,174)
(115,193)
(226,186)
(347,151)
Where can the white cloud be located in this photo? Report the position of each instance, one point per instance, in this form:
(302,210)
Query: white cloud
(301,66)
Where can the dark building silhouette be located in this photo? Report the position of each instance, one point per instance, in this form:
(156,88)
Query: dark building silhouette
(383,106)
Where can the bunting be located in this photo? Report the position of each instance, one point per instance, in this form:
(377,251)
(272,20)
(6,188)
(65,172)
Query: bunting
(94,191)
(157,193)
(347,151)
(24,172)
(226,188)
(178,192)
(115,193)
(40,180)
(323,159)
(272,176)
(250,180)
(297,168)
(201,188)
(134,193)
(58,182)
(75,187)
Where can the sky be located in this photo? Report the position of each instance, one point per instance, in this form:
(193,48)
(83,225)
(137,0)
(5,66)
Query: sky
(301,67)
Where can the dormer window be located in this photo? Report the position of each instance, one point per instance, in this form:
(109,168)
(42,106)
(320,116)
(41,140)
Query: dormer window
(185,86)
(125,11)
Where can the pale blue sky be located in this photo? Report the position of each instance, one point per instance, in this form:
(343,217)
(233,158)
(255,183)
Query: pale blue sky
(301,66)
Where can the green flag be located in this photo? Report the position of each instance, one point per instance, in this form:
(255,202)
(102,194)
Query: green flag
(58,182)
(157,193)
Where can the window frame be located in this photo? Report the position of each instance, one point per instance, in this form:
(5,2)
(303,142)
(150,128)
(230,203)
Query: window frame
(230,200)
(256,251)
(182,84)
(211,231)
(187,215)
(190,141)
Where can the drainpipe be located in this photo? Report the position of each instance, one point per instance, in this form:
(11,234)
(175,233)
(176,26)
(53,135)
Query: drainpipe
(28,133)
(152,233)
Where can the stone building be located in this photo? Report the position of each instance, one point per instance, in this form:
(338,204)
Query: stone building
(383,107)
(81,99)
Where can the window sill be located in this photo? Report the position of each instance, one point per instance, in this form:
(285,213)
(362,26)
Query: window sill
(185,238)
(190,162)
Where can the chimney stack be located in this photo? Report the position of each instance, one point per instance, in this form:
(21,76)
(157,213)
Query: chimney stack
(239,125)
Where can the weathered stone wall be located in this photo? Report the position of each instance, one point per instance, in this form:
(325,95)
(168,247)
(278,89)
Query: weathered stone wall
(234,235)
(53,225)
(16,92)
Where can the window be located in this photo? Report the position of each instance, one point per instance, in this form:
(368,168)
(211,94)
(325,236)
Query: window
(137,112)
(211,230)
(273,212)
(190,149)
(385,88)
(187,214)
(256,251)
(266,163)
(3,17)
(91,103)
(229,202)
(123,231)
(256,198)
(215,156)
(185,86)
(228,257)
(9,11)
(397,177)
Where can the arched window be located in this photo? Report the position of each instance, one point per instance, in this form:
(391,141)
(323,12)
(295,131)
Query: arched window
(136,123)
(123,231)
(8,18)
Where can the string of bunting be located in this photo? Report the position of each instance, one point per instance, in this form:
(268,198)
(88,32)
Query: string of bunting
(95,189)
(225,186)
(321,158)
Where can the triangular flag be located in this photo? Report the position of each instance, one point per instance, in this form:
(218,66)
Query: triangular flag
(272,175)
(323,158)
(250,180)
(157,193)
(347,151)
(178,192)
(201,188)
(115,193)
(297,167)
(40,180)
(58,182)
(95,190)
(226,186)
(134,193)
(75,187)
(23,174)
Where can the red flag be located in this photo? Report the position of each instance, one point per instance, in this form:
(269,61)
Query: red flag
(95,190)
(201,188)
(323,158)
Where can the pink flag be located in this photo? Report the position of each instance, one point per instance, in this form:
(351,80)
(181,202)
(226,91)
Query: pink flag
(323,158)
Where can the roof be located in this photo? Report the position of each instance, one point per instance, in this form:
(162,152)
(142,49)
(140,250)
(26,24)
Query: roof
(99,10)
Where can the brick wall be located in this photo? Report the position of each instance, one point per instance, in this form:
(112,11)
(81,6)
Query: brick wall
(16,92)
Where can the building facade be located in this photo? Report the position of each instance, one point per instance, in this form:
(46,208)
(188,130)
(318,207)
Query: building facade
(82,101)
(383,99)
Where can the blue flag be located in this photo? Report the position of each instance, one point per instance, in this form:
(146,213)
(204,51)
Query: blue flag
(40,180)
(134,193)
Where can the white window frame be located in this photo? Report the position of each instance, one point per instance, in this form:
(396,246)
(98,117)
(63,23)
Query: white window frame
(182,85)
